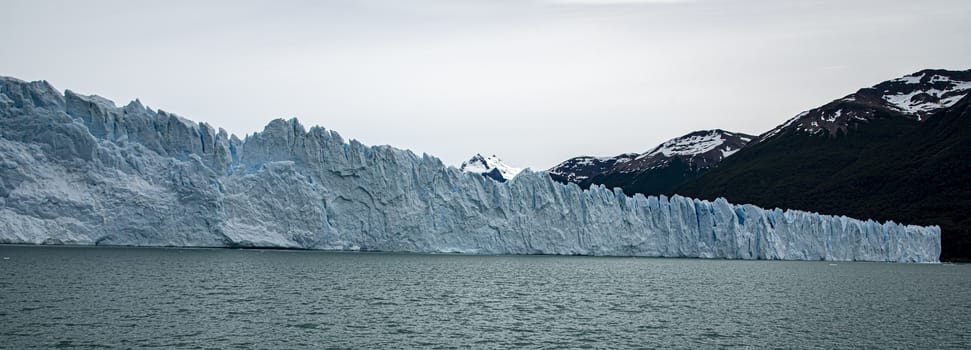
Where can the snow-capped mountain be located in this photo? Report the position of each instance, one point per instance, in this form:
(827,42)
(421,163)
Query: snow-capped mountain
(699,150)
(580,169)
(895,151)
(916,96)
(77,169)
(491,167)
(656,171)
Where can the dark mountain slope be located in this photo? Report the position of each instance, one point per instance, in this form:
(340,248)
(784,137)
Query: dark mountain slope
(888,166)
(580,169)
(651,181)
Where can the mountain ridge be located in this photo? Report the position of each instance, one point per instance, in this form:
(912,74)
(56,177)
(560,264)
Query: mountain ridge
(916,95)
(658,170)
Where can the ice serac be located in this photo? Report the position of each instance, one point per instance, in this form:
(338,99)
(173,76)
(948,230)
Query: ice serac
(77,169)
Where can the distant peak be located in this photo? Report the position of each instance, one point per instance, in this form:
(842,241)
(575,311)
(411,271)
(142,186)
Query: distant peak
(491,167)
(917,96)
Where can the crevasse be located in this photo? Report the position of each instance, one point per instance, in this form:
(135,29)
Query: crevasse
(78,170)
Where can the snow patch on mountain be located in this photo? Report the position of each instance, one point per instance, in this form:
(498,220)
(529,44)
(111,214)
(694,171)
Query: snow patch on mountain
(688,146)
(909,79)
(941,92)
(728,152)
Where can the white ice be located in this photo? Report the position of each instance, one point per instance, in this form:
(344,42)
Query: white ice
(76,170)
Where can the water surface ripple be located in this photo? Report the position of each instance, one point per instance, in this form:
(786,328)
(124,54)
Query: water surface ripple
(80,297)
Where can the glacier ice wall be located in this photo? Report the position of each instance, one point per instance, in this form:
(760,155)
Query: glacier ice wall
(77,169)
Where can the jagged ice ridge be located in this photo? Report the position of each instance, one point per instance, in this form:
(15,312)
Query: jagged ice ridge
(77,170)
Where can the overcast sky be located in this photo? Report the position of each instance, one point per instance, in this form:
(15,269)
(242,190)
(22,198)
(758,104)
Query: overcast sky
(533,81)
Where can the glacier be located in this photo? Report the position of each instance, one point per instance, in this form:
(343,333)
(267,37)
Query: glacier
(78,169)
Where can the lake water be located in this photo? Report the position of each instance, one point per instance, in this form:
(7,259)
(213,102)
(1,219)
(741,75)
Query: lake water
(91,297)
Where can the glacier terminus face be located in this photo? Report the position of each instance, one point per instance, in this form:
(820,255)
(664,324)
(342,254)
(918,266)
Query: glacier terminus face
(77,169)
